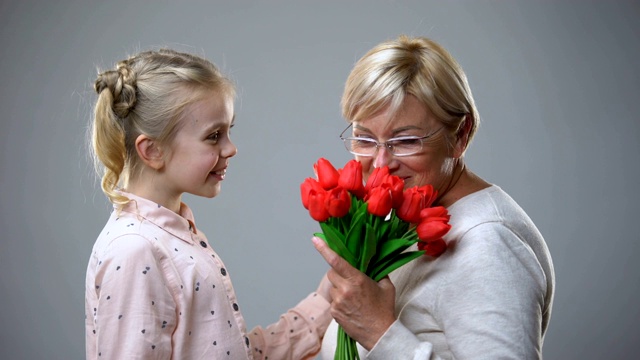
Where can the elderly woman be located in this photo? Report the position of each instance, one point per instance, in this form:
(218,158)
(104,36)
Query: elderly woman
(489,295)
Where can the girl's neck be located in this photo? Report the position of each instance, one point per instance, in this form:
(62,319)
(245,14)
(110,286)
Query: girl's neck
(152,191)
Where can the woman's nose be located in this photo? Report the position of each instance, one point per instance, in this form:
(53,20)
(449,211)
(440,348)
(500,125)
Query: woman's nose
(382,157)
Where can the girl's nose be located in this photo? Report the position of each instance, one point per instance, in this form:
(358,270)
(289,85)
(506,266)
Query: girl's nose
(230,150)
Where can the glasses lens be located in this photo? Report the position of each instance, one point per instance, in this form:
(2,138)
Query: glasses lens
(398,147)
(361,146)
(405,146)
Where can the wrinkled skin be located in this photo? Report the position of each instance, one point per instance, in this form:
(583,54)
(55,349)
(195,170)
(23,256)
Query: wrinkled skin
(364,308)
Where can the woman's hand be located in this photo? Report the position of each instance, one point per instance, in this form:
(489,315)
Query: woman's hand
(364,308)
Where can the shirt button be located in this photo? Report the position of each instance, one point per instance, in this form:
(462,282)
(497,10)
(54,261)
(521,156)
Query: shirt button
(203,244)
(235,306)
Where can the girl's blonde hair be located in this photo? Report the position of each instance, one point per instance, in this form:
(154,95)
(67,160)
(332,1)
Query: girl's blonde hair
(145,94)
(418,66)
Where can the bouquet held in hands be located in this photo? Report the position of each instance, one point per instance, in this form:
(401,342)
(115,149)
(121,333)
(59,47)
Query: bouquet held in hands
(373,225)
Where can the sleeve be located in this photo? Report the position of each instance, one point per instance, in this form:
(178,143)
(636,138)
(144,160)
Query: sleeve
(490,306)
(134,313)
(297,335)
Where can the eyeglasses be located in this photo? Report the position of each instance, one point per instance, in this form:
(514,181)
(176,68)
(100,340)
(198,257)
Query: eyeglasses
(400,146)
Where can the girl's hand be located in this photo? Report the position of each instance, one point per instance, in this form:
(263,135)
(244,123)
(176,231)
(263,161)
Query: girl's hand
(324,288)
(364,308)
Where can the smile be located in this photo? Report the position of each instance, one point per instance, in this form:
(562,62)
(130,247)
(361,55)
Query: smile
(219,174)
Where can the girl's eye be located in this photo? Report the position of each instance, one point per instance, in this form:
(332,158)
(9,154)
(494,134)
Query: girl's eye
(215,136)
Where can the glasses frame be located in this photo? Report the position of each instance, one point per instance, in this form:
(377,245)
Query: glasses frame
(386,143)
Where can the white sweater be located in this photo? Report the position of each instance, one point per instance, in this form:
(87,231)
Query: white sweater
(488,296)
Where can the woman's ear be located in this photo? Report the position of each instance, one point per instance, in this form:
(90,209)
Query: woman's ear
(149,152)
(462,137)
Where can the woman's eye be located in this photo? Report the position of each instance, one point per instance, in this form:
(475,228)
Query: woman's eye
(363,142)
(410,144)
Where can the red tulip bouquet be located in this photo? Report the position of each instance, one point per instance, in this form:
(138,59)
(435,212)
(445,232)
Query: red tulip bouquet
(373,225)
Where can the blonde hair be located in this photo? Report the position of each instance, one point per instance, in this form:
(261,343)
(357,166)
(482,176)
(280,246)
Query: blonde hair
(145,94)
(418,66)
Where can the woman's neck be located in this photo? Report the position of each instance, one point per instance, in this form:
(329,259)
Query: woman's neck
(464,182)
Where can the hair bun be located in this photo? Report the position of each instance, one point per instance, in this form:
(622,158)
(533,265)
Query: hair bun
(121,83)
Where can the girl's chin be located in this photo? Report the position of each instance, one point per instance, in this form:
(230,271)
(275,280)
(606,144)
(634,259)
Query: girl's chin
(211,191)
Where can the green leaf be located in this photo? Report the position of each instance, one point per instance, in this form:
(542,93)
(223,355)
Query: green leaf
(401,228)
(335,240)
(368,248)
(386,268)
(391,248)
(395,222)
(331,233)
(383,227)
(354,235)
(379,264)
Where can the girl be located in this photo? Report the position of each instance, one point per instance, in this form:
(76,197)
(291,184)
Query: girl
(155,288)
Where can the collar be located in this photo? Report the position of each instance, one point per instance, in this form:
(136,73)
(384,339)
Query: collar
(181,225)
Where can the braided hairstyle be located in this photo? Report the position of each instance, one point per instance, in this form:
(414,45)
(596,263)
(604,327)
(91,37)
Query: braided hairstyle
(145,94)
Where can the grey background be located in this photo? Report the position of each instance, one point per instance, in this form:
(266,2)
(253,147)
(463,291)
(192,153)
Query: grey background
(555,83)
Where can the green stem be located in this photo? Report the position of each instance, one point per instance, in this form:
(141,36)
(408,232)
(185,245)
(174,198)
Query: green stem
(346,348)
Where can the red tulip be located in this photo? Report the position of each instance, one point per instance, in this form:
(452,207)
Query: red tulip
(327,175)
(317,208)
(395,185)
(307,185)
(338,202)
(433,248)
(377,177)
(351,178)
(379,201)
(439,213)
(433,228)
(412,202)
(429,193)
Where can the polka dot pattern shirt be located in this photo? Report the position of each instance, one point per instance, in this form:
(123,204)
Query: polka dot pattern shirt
(155,289)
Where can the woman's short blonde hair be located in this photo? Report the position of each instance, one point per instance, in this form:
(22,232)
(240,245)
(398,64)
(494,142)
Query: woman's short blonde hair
(416,66)
(145,94)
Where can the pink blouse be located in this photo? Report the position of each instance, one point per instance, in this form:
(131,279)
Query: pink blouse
(155,289)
